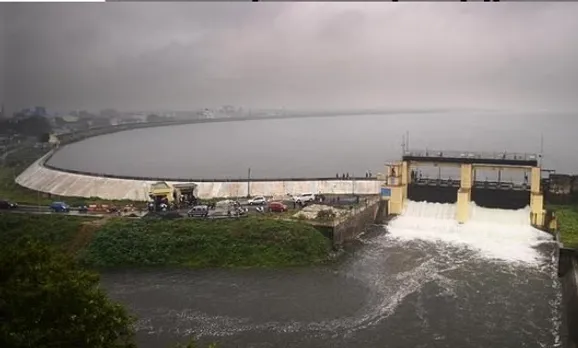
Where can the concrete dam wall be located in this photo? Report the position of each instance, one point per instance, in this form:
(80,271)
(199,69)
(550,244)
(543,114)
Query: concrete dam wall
(37,177)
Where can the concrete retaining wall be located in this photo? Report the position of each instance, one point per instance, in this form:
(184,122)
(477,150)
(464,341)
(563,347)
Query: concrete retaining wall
(568,271)
(350,226)
(40,178)
(354,225)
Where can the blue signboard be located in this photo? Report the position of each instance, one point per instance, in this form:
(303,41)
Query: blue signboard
(385,192)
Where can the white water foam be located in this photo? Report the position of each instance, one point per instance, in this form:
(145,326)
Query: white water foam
(497,234)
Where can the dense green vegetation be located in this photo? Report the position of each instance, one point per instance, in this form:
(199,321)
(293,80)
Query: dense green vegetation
(567,216)
(46,300)
(55,230)
(32,126)
(249,242)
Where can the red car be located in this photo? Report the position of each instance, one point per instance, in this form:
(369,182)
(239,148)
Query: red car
(277,207)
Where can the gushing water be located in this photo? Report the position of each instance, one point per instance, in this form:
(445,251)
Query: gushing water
(494,233)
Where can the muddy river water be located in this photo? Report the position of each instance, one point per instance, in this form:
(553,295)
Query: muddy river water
(422,282)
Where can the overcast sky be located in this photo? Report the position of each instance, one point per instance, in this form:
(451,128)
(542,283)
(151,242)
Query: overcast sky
(520,56)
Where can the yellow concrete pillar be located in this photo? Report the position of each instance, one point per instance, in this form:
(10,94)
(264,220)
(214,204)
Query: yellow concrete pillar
(464,193)
(535,180)
(466,176)
(396,200)
(404,173)
(463,205)
(537,212)
(397,183)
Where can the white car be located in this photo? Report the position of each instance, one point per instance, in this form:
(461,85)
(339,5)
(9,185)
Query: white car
(304,198)
(259,200)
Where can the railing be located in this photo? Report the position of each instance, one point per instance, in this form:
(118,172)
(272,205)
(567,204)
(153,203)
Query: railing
(149,178)
(511,156)
(501,185)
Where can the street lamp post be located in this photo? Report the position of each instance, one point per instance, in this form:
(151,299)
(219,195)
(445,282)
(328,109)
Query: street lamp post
(249,183)
(353,184)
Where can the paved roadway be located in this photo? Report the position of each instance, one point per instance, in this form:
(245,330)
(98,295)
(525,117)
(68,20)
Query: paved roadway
(43,209)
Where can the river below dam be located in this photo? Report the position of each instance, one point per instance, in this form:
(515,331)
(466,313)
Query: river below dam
(421,281)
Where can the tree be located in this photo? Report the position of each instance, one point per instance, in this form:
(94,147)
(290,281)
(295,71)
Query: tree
(44,137)
(47,300)
(154,118)
(32,126)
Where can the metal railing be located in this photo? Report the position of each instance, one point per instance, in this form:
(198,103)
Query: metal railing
(152,178)
(510,156)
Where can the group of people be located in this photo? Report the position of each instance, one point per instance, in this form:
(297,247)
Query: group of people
(345,176)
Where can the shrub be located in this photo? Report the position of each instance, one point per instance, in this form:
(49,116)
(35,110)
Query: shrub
(245,242)
(47,301)
(325,215)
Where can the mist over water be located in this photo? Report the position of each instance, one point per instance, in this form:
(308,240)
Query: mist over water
(319,147)
(424,280)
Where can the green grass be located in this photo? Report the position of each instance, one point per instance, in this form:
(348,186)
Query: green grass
(56,230)
(567,216)
(248,242)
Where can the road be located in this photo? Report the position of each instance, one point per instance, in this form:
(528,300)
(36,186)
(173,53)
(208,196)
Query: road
(219,211)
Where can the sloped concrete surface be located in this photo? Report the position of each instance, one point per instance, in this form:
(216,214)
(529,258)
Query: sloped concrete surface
(39,178)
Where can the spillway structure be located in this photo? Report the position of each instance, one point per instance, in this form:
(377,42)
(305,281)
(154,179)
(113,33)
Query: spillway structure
(398,178)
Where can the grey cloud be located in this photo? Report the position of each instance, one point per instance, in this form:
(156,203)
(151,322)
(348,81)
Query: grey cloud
(296,55)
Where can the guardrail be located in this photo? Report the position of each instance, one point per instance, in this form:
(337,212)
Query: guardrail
(473,155)
(243,180)
(148,178)
(503,185)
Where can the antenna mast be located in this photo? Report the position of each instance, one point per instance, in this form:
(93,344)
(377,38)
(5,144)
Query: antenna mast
(541,156)
(407,141)
(403,145)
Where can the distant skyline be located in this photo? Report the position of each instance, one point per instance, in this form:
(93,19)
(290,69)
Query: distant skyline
(324,56)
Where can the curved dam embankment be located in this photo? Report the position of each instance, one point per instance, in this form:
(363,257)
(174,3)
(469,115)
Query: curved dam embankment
(38,177)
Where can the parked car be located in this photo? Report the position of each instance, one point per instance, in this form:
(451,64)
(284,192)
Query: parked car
(59,207)
(198,211)
(259,200)
(304,198)
(82,208)
(277,207)
(7,205)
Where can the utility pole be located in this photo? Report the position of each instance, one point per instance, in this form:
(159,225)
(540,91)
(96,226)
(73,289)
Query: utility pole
(249,183)
(353,184)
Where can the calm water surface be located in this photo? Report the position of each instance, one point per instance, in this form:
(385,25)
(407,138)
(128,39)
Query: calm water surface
(316,147)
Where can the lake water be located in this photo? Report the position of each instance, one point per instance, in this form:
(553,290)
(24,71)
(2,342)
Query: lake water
(426,282)
(317,147)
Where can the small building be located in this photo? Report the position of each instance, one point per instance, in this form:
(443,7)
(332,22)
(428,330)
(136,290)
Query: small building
(162,190)
(172,193)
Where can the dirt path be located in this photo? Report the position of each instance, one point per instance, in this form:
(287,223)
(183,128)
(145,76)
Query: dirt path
(85,235)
